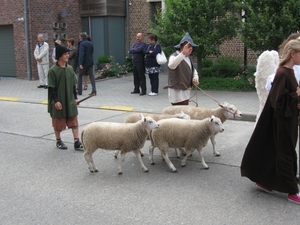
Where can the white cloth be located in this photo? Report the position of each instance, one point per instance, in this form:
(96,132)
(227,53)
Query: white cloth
(176,95)
(271,77)
(53,55)
(43,73)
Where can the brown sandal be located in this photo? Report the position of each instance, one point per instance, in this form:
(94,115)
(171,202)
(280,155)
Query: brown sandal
(85,87)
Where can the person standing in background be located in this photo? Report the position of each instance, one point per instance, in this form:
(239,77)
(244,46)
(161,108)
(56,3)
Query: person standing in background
(41,55)
(139,78)
(152,67)
(86,63)
(72,53)
(182,74)
(57,42)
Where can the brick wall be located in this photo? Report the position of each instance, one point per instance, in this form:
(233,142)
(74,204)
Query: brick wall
(41,15)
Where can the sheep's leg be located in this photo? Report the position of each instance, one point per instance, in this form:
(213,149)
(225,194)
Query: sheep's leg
(151,148)
(188,154)
(202,158)
(182,151)
(141,153)
(177,153)
(123,154)
(89,159)
(138,155)
(116,153)
(165,156)
(213,142)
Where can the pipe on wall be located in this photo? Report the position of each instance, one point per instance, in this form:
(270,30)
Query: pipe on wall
(27,43)
(127,25)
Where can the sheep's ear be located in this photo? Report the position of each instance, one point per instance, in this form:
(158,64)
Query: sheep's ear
(141,116)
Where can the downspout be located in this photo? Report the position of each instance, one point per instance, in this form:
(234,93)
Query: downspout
(127,25)
(27,44)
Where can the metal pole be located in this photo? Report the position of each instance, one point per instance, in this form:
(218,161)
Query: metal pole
(27,43)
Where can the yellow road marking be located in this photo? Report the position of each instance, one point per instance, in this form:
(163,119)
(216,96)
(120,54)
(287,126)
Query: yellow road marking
(45,102)
(13,99)
(117,107)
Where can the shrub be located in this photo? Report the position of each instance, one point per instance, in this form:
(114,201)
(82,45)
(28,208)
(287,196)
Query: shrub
(128,63)
(226,67)
(104,59)
(111,69)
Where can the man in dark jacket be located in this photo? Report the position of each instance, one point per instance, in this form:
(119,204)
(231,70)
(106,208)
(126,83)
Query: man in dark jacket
(139,78)
(86,62)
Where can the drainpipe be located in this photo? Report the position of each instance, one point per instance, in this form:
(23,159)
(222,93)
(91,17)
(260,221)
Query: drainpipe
(127,25)
(28,58)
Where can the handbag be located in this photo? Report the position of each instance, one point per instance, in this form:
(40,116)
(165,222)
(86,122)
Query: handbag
(161,58)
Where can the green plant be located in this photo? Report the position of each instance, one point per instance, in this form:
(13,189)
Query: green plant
(104,59)
(128,63)
(111,69)
(226,67)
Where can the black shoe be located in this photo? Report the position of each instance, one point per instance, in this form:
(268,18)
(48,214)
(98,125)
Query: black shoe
(135,92)
(46,86)
(142,94)
(93,93)
(61,145)
(78,146)
(41,86)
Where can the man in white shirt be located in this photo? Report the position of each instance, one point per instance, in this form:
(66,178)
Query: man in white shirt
(41,55)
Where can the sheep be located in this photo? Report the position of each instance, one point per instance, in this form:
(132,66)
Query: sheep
(111,136)
(224,112)
(190,134)
(132,118)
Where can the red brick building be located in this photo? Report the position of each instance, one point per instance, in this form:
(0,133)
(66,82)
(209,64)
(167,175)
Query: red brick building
(112,25)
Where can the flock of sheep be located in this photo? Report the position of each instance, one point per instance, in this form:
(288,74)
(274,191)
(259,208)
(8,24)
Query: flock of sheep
(187,127)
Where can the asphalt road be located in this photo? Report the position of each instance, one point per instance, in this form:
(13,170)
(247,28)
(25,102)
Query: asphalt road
(43,185)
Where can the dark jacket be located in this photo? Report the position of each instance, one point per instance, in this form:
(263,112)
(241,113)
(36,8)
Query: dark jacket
(85,53)
(137,52)
(151,57)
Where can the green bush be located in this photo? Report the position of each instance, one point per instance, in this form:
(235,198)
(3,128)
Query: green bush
(207,63)
(225,67)
(128,63)
(237,83)
(111,69)
(104,59)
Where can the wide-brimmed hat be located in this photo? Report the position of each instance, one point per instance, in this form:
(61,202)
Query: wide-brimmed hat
(187,38)
(60,50)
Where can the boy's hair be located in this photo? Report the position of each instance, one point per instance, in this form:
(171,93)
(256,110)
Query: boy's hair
(153,37)
(292,45)
(71,40)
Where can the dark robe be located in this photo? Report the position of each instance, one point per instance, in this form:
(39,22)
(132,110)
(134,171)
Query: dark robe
(270,158)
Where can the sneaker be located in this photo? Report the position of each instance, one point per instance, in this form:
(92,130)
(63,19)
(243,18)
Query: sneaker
(41,86)
(61,145)
(46,86)
(265,189)
(152,94)
(294,198)
(78,146)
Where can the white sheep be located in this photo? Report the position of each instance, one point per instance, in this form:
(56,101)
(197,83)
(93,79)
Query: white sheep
(224,112)
(190,134)
(111,136)
(134,117)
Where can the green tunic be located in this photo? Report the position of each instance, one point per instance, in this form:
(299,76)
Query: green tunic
(63,81)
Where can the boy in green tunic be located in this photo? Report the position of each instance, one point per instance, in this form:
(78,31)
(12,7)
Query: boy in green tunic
(62,98)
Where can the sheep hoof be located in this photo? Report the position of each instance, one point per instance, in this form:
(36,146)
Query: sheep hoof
(153,163)
(217,154)
(96,170)
(178,157)
(182,165)
(174,171)
(91,171)
(120,173)
(142,154)
(146,171)
(206,168)
(115,156)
